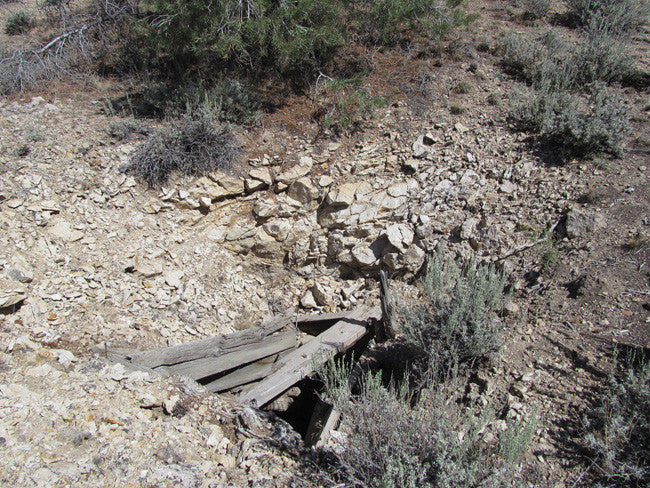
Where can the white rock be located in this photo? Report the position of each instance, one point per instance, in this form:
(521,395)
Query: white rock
(308,300)
(63,230)
(342,195)
(11,293)
(364,256)
(174,277)
(303,191)
(400,236)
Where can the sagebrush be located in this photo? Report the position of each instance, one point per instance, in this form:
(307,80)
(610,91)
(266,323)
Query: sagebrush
(18,22)
(456,323)
(617,431)
(192,146)
(394,441)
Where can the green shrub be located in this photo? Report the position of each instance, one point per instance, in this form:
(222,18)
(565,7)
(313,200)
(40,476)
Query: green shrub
(537,9)
(620,17)
(617,432)
(193,146)
(121,129)
(18,22)
(457,322)
(288,38)
(601,56)
(392,441)
(579,127)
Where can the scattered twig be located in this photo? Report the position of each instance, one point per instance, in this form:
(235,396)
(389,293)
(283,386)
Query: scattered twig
(547,235)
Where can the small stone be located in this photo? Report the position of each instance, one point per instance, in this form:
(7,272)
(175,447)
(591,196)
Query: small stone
(325,181)
(364,256)
(148,269)
(292,174)
(63,230)
(262,175)
(308,300)
(11,293)
(460,128)
(580,223)
(508,187)
(511,308)
(398,190)
(400,236)
(322,295)
(174,277)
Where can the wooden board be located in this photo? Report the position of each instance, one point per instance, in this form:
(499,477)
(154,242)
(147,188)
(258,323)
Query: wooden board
(242,376)
(235,357)
(211,347)
(301,362)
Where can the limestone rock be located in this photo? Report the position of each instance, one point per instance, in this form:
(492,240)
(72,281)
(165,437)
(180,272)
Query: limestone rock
(11,293)
(579,223)
(400,236)
(364,256)
(63,231)
(342,195)
(303,191)
(308,300)
(262,174)
(148,268)
(292,174)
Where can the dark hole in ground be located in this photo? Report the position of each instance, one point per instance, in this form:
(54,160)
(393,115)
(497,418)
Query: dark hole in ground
(301,407)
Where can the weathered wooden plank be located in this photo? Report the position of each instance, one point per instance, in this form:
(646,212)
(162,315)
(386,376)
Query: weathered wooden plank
(323,420)
(385,329)
(208,366)
(242,376)
(211,347)
(300,363)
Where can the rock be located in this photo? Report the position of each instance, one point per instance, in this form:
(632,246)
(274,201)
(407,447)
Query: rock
(215,437)
(580,223)
(148,269)
(20,270)
(421,145)
(63,231)
(262,175)
(460,128)
(364,256)
(325,181)
(508,187)
(303,191)
(266,208)
(174,277)
(278,228)
(296,172)
(398,190)
(11,293)
(323,295)
(400,236)
(468,228)
(265,246)
(342,195)
(252,185)
(414,258)
(232,186)
(308,300)
(511,308)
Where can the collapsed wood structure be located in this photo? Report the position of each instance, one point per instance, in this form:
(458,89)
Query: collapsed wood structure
(261,363)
